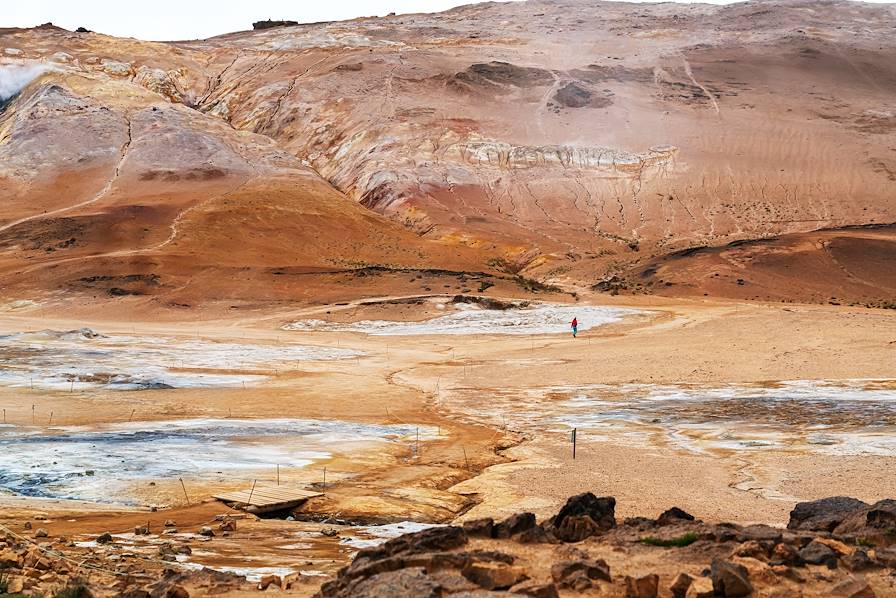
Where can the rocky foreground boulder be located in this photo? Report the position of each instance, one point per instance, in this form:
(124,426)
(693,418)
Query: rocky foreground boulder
(584,550)
(837,547)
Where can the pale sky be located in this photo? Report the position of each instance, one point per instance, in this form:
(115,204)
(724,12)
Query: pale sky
(192,19)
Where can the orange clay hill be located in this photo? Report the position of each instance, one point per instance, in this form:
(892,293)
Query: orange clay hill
(681,149)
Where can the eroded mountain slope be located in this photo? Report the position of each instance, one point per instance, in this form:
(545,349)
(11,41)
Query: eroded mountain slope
(568,140)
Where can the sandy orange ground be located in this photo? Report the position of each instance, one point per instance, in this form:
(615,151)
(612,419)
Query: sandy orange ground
(460,474)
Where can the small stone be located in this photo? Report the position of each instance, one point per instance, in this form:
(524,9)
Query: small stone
(206,531)
(785,554)
(730,579)
(546,590)
(853,588)
(104,538)
(27,525)
(751,549)
(41,533)
(785,571)
(228,525)
(10,559)
(141,530)
(680,585)
(835,545)
(494,576)
(858,561)
(269,580)
(701,588)
(816,553)
(674,515)
(330,532)
(562,572)
(642,587)
(170,523)
(42,564)
(15,585)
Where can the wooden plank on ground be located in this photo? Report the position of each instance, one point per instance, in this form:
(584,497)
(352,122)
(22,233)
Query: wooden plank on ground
(267,497)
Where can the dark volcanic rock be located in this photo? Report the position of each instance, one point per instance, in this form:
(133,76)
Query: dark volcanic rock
(577,528)
(760,533)
(514,525)
(886,557)
(546,590)
(785,554)
(429,540)
(674,515)
(540,534)
(563,572)
(730,579)
(480,528)
(494,576)
(601,510)
(858,561)
(269,24)
(816,553)
(879,518)
(825,514)
(406,582)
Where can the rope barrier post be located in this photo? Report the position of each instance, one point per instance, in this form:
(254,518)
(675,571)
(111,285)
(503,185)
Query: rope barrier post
(573,443)
(182,485)
(251,492)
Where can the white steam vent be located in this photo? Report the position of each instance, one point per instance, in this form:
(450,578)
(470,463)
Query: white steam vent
(14,77)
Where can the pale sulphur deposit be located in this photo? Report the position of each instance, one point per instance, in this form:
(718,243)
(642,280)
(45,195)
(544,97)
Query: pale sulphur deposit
(101,464)
(80,359)
(544,318)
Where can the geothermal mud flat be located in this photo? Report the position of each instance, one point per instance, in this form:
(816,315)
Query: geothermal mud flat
(431,412)
(57,456)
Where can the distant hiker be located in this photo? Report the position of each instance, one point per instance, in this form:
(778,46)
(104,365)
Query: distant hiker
(575,327)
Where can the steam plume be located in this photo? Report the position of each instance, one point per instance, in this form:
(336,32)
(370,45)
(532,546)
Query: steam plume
(14,77)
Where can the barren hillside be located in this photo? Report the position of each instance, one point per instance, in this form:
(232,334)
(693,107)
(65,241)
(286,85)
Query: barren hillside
(566,141)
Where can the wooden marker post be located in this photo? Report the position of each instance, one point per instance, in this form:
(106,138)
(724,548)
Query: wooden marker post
(573,443)
(182,485)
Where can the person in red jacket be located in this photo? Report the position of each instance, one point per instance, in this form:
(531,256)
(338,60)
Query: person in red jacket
(575,327)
